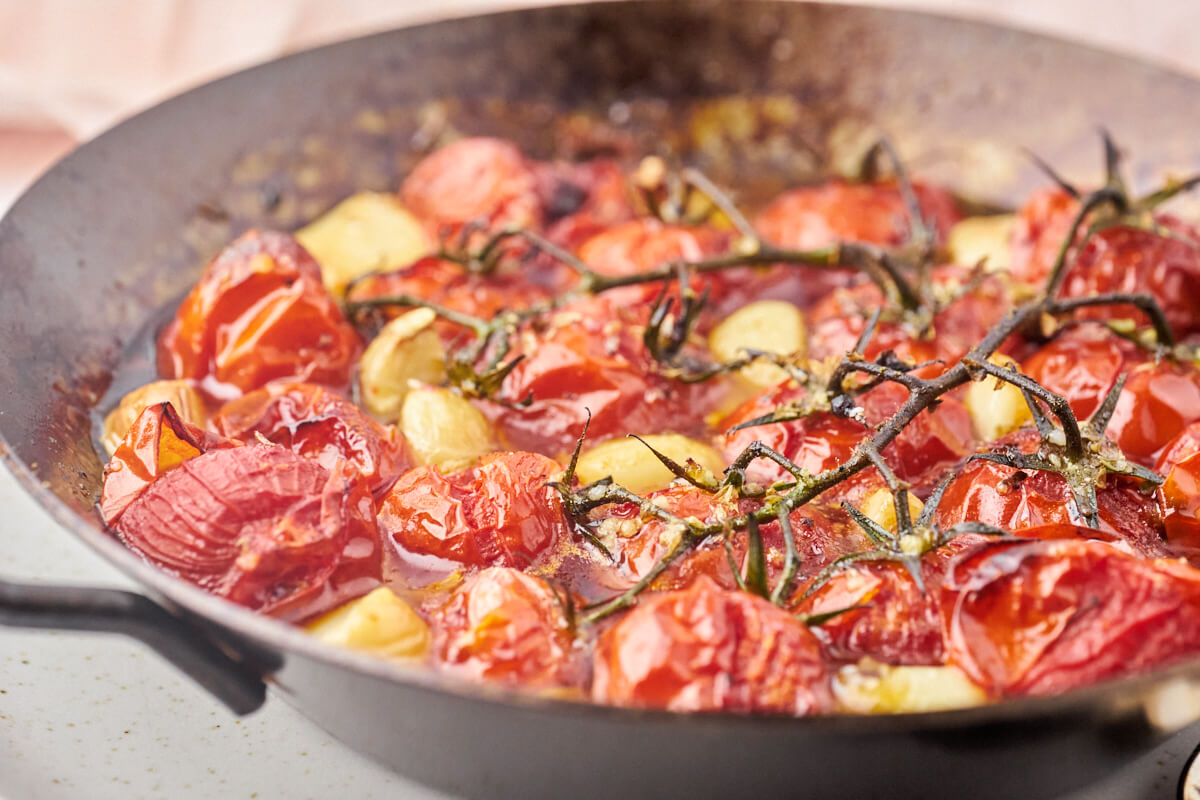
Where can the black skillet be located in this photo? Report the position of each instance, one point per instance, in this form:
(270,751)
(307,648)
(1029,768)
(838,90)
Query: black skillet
(756,93)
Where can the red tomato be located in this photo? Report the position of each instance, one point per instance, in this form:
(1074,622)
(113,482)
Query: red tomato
(1158,401)
(261,526)
(314,422)
(836,322)
(1181,504)
(1042,617)
(504,626)
(157,442)
(582,200)
(816,216)
(1185,445)
(1042,225)
(500,512)
(259,313)
(591,356)
(897,622)
(451,285)
(472,180)
(1119,258)
(643,244)
(1016,501)
(708,649)
(924,449)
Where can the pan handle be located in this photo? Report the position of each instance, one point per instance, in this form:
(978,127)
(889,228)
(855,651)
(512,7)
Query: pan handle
(232,682)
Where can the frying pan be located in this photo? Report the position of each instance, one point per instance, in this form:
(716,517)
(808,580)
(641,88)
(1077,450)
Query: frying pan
(756,93)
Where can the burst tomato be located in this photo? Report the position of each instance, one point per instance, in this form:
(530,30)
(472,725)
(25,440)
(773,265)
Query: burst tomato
(259,313)
(1043,617)
(504,626)
(581,200)
(157,442)
(708,649)
(591,357)
(500,512)
(261,526)
(315,422)
(1016,501)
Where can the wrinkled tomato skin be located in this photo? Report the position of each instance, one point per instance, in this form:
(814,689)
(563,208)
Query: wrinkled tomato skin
(451,285)
(260,526)
(1120,258)
(933,441)
(642,244)
(314,422)
(897,623)
(639,543)
(472,180)
(838,320)
(817,216)
(499,513)
(594,360)
(708,649)
(1158,401)
(1184,445)
(157,442)
(1016,501)
(506,627)
(259,313)
(1043,617)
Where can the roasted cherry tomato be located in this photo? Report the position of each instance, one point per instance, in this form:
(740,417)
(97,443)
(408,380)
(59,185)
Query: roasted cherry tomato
(1161,259)
(816,216)
(1181,502)
(1159,399)
(315,422)
(1016,501)
(157,442)
(259,313)
(473,180)
(643,244)
(591,358)
(705,648)
(505,626)
(837,321)
(261,526)
(1042,617)
(581,200)
(500,512)
(927,446)
(878,611)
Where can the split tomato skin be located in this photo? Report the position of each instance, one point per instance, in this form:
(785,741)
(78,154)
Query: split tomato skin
(499,513)
(709,649)
(1044,617)
(504,626)
(158,441)
(259,313)
(260,526)
(315,422)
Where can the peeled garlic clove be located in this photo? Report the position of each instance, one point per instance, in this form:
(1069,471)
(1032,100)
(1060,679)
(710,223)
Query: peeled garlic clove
(379,623)
(769,326)
(443,429)
(870,687)
(365,232)
(880,506)
(986,239)
(631,464)
(996,407)
(407,349)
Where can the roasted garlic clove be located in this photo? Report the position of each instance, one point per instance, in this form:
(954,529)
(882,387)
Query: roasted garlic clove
(443,429)
(379,623)
(407,349)
(769,326)
(631,464)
